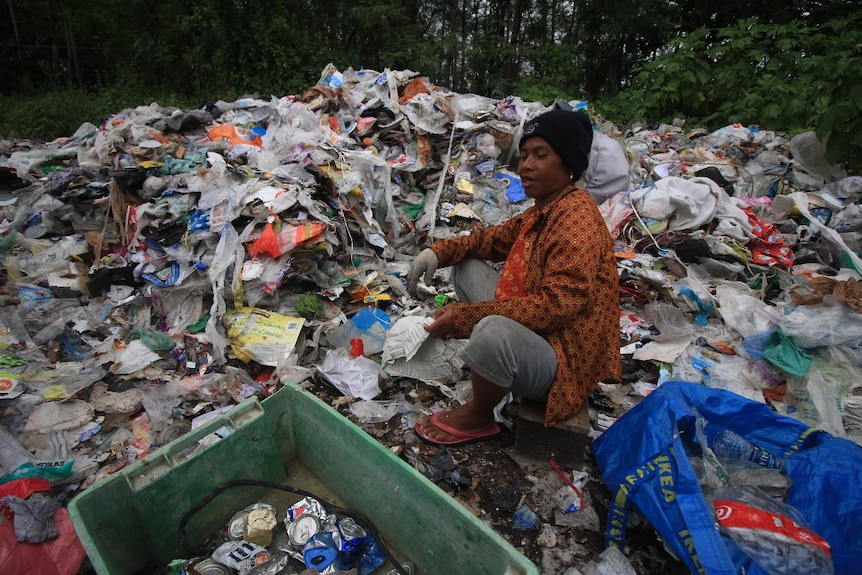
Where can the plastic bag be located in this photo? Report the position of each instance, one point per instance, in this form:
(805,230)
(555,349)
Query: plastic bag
(696,297)
(375,411)
(181,307)
(644,462)
(741,311)
(611,561)
(267,243)
(355,376)
(161,400)
(816,398)
(235,135)
(667,318)
(781,351)
(291,236)
(61,556)
(133,358)
(16,463)
(229,252)
(821,326)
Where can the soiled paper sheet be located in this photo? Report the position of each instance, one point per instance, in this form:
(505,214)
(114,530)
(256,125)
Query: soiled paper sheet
(410,352)
(405,338)
(665,349)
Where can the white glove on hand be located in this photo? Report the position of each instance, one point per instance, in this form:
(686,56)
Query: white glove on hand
(424,264)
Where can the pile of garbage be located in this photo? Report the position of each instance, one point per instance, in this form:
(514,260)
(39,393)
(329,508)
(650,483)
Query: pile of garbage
(168,264)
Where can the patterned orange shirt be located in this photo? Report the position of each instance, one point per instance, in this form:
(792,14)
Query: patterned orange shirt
(513,274)
(571,292)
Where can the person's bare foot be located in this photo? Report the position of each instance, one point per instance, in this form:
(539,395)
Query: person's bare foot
(431,432)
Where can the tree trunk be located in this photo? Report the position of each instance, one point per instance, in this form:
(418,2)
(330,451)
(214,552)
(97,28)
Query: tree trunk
(72,51)
(15,29)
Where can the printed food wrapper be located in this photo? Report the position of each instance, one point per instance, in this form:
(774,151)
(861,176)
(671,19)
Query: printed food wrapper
(9,385)
(261,335)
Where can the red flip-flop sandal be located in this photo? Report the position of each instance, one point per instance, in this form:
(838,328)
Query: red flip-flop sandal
(460,437)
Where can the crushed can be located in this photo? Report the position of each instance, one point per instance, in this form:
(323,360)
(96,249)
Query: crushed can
(252,524)
(409,568)
(204,566)
(352,535)
(272,566)
(349,539)
(241,556)
(259,526)
(302,529)
(305,505)
(303,520)
(320,552)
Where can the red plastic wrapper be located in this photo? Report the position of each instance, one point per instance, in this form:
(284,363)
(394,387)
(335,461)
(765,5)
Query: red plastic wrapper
(22,488)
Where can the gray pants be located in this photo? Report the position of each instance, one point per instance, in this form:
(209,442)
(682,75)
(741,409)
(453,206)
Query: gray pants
(500,349)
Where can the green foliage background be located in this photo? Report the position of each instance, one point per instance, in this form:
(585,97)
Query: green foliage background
(783,65)
(787,77)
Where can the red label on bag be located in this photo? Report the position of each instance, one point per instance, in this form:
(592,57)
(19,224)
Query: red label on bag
(733,514)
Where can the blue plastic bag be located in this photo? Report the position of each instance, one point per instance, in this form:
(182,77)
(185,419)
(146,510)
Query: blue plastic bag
(643,462)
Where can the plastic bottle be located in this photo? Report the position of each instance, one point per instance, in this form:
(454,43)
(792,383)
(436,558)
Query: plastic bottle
(728,444)
(773,534)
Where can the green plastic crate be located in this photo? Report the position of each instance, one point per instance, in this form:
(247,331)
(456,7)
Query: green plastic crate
(131,520)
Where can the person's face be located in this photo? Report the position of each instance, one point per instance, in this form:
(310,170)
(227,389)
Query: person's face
(542,171)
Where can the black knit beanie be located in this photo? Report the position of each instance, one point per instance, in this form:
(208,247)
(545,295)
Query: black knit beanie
(569,133)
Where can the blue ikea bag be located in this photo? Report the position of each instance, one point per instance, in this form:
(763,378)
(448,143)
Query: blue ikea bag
(643,462)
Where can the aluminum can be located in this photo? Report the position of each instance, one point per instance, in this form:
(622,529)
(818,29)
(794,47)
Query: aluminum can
(241,556)
(320,551)
(351,533)
(263,516)
(302,529)
(305,505)
(205,567)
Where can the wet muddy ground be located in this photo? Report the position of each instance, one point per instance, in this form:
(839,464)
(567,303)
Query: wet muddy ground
(494,483)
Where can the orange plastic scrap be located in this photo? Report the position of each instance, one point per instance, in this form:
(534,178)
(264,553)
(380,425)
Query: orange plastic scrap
(364,124)
(416,86)
(423,145)
(235,135)
(360,294)
(309,231)
(267,243)
(291,236)
(154,134)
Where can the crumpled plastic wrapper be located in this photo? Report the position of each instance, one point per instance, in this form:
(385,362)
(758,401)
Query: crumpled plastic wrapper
(34,517)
